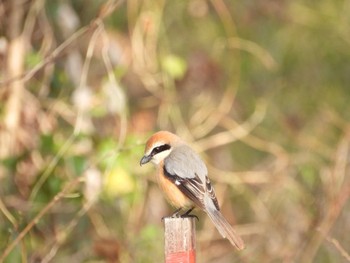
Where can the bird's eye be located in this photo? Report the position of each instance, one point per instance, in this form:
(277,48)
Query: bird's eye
(161,148)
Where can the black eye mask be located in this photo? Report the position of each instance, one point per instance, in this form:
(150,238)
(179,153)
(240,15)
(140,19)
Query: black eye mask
(159,149)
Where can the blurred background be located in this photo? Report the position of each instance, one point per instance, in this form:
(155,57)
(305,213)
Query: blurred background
(259,88)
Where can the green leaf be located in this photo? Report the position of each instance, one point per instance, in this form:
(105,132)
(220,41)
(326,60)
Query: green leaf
(175,66)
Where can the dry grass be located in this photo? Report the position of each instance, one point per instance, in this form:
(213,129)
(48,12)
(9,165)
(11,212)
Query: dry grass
(257,89)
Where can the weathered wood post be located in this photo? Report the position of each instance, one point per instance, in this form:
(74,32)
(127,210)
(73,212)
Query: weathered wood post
(180,240)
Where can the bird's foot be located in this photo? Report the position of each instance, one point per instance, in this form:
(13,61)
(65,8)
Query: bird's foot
(176,214)
(188,214)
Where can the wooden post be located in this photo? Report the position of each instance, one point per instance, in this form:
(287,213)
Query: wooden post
(180,240)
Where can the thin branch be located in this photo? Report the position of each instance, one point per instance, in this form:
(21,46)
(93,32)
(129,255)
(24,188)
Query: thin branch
(111,5)
(336,204)
(50,58)
(52,166)
(339,247)
(251,47)
(119,93)
(63,234)
(239,132)
(8,214)
(36,219)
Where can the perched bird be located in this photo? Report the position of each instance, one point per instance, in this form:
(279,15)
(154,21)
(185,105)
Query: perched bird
(183,177)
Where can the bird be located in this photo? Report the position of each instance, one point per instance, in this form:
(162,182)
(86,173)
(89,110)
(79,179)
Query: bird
(183,177)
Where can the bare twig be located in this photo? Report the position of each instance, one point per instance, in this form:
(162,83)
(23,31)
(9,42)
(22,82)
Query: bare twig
(15,64)
(52,166)
(263,55)
(118,92)
(239,132)
(51,58)
(339,247)
(58,51)
(336,204)
(36,219)
(84,74)
(97,26)
(225,16)
(63,234)
(8,214)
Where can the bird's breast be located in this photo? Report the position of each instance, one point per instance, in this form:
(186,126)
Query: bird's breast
(172,193)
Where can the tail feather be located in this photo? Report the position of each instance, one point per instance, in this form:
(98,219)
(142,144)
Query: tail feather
(225,228)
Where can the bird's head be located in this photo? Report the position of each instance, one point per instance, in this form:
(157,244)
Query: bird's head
(159,146)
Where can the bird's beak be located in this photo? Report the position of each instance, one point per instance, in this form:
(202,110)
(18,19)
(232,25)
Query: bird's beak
(145,159)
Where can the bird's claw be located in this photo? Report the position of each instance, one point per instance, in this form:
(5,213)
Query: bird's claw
(176,214)
(181,216)
(188,214)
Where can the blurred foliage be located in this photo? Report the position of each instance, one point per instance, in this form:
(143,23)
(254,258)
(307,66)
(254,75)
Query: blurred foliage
(260,88)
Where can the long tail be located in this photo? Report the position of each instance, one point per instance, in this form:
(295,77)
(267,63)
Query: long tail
(225,228)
